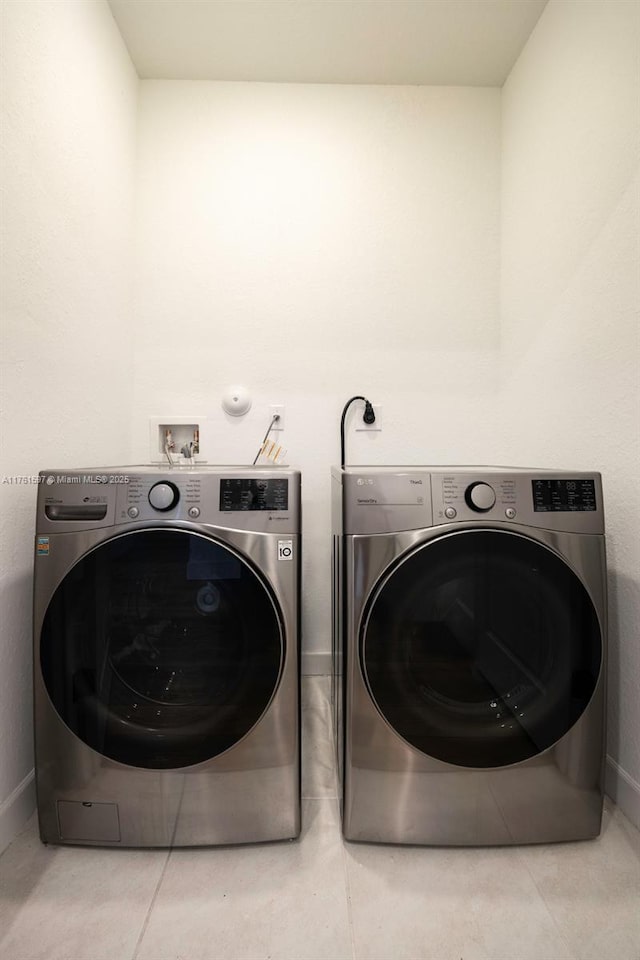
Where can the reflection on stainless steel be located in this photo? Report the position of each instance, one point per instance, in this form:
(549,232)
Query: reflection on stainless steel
(208,599)
(533,681)
(190,657)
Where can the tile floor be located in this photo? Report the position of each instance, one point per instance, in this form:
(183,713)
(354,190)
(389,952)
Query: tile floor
(322,899)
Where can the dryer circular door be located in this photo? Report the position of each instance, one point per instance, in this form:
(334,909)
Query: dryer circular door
(161,648)
(481,648)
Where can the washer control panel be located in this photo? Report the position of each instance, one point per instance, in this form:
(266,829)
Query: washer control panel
(243,494)
(230,497)
(148,497)
(240,499)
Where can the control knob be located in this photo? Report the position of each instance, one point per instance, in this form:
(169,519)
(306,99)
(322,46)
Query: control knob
(480,497)
(164,496)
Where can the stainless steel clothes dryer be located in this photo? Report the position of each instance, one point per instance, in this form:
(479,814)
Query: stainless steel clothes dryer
(469,627)
(166,677)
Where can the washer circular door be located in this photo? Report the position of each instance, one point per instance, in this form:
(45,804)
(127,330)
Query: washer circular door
(161,648)
(481,648)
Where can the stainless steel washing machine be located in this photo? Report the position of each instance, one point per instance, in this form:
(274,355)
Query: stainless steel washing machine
(166,655)
(469,645)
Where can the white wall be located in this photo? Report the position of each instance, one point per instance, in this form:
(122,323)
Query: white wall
(311,243)
(570,296)
(69,96)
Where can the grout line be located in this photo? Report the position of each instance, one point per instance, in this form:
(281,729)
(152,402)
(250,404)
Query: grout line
(324,709)
(564,938)
(347,885)
(147,918)
(523,860)
(328,715)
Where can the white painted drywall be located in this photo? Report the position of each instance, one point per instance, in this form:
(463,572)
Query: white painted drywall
(311,243)
(571,291)
(69,95)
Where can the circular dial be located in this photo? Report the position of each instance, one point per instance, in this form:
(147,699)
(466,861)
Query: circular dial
(164,496)
(480,497)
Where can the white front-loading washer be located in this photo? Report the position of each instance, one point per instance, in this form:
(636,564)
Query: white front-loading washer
(469,626)
(166,655)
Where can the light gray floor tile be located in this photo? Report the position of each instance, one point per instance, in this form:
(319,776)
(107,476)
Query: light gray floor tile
(320,899)
(74,903)
(318,754)
(277,900)
(432,903)
(592,889)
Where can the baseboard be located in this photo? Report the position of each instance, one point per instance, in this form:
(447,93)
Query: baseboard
(314,664)
(16,810)
(623,790)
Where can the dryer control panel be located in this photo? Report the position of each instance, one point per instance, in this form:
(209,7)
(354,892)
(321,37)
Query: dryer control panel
(572,503)
(564,496)
(370,500)
(376,502)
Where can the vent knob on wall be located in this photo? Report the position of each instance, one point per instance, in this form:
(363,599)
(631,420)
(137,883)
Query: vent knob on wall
(236,401)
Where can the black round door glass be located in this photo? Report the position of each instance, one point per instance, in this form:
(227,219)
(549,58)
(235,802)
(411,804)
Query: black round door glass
(481,649)
(161,649)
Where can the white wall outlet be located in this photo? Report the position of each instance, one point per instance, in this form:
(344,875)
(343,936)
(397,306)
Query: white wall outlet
(279,409)
(361,426)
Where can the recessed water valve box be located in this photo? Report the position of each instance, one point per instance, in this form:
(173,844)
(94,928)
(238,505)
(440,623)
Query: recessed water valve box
(178,438)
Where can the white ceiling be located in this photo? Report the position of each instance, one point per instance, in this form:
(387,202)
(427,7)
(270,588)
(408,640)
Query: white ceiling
(453,42)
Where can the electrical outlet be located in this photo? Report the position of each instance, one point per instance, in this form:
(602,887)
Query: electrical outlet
(362,427)
(279,409)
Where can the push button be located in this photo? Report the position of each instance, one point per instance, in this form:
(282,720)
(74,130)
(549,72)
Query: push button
(510,513)
(194,512)
(133,512)
(450,513)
